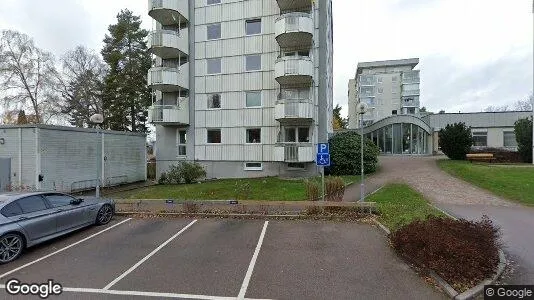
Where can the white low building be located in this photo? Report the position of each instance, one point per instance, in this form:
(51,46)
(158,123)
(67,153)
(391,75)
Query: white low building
(43,157)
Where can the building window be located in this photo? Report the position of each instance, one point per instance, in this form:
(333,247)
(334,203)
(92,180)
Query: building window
(411,110)
(509,139)
(394,79)
(182,141)
(480,139)
(254,136)
(304,135)
(214,101)
(210,2)
(294,134)
(214,31)
(214,136)
(253,166)
(380,90)
(253,26)
(253,62)
(253,99)
(380,79)
(214,66)
(394,112)
(296,166)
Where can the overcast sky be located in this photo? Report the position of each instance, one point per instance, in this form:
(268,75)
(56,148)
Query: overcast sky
(473,53)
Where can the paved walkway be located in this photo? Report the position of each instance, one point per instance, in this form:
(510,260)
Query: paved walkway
(463,200)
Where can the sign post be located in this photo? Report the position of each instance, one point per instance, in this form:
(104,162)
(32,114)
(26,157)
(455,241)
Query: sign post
(323,160)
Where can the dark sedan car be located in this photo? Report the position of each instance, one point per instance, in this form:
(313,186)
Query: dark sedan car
(27,219)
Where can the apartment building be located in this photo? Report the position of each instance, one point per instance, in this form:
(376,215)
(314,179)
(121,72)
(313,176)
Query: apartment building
(389,87)
(242,87)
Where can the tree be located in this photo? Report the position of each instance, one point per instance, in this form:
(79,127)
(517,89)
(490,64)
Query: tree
(345,152)
(441,112)
(126,95)
(519,105)
(81,86)
(523,135)
(21,118)
(27,76)
(423,109)
(338,121)
(455,140)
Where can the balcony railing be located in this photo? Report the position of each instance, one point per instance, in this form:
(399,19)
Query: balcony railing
(294,152)
(294,70)
(169,12)
(414,92)
(410,102)
(410,77)
(168,43)
(367,80)
(168,79)
(170,114)
(294,109)
(294,29)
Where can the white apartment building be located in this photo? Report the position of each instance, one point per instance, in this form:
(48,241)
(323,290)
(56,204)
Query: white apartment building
(389,87)
(243,87)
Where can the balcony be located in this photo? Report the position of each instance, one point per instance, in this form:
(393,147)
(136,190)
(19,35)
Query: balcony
(290,110)
(167,79)
(410,77)
(294,152)
(410,101)
(287,5)
(294,30)
(169,12)
(290,70)
(368,80)
(414,92)
(168,43)
(170,114)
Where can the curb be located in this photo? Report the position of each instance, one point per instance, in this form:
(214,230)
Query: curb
(231,215)
(470,293)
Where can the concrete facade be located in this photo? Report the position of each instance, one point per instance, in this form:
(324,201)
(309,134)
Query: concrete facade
(246,86)
(65,158)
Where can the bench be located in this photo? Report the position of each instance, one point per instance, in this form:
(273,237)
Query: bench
(480,157)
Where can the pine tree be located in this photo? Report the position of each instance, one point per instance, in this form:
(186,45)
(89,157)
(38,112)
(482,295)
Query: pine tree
(126,95)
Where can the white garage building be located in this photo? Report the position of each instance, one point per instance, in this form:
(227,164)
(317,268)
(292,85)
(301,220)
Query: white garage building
(43,157)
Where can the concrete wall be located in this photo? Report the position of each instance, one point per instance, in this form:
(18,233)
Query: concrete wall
(20,146)
(235,169)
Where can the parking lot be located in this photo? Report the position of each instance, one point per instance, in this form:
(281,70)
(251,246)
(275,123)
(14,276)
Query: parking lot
(220,259)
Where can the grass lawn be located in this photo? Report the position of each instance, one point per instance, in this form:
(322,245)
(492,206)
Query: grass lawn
(270,188)
(399,205)
(511,182)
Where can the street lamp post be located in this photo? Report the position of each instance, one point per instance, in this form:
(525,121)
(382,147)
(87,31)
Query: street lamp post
(361,109)
(98,119)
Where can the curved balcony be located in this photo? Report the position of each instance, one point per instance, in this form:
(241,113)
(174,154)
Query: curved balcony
(170,114)
(294,70)
(286,5)
(169,12)
(168,43)
(292,110)
(294,29)
(293,152)
(167,79)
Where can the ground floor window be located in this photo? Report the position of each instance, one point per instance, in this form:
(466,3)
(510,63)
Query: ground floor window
(182,143)
(296,134)
(480,139)
(253,166)
(509,139)
(296,165)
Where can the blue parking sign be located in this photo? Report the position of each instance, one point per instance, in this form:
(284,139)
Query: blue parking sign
(323,148)
(323,160)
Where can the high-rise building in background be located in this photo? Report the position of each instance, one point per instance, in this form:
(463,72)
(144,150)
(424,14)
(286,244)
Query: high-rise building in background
(389,87)
(242,87)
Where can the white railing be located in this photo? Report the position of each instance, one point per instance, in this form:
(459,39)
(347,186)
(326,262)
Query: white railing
(294,22)
(169,39)
(294,65)
(295,152)
(180,6)
(169,76)
(414,92)
(294,109)
(170,113)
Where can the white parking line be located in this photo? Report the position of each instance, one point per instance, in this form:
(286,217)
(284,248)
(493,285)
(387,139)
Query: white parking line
(246,281)
(62,249)
(107,287)
(145,294)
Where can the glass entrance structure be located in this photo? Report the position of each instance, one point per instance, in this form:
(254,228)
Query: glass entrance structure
(402,135)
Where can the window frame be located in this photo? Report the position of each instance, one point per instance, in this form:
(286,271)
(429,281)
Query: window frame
(208,135)
(254,20)
(215,3)
(246,62)
(504,139)
(253,92)
(480,134)
(247,137)
(182,144)
(57,194)
(47,205)
(208,32)
(208,68)
(14,203)
(256,168)
(210,99)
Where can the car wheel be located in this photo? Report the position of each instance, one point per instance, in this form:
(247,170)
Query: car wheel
(105,213)
(11,246)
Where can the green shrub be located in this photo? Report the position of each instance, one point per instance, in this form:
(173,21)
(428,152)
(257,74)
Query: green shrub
(345,154)
(185,172)
(523,135)
(312,190)
(455,140)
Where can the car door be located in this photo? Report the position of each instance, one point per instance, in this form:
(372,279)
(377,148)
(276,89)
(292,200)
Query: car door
(68,215)
(37,219)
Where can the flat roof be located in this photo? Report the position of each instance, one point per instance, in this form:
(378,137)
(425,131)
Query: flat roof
(412,62)
(66,128)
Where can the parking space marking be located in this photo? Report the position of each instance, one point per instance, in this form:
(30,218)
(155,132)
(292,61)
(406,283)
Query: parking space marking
(246,281)
(62,249)
(144,294)
(107,287)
